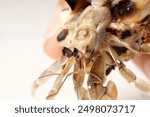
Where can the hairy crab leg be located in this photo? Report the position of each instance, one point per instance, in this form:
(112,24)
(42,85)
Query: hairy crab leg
(133,46)
(107,57)
(95,85)
(128,74)
(58,82)
(127,56)
(143,48)
(78,80)
(47,73)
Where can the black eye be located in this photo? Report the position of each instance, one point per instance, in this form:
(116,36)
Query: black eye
(123,8)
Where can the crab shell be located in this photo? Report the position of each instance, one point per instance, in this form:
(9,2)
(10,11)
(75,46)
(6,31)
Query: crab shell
(139,11)
(130,12)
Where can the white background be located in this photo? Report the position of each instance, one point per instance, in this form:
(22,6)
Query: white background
(23,24)
(7,108)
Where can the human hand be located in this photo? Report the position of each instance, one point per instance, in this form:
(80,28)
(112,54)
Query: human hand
(53,48)
(143,62)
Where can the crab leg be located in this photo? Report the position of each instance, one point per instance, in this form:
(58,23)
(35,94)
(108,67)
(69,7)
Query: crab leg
(111,91)
(108,58)
(128,74)
(47,73)
(132,45)
(131,77)
(143,48)
(58,82)
(78,80)
(96,80)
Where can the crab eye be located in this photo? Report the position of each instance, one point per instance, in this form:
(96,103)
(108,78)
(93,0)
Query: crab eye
(123,8)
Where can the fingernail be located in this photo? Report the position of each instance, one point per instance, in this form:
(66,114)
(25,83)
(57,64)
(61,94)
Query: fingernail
(146,66)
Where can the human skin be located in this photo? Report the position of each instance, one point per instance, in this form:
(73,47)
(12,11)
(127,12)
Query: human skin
(53,48)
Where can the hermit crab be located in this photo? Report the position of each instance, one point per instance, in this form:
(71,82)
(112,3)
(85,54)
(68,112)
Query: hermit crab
(99,36)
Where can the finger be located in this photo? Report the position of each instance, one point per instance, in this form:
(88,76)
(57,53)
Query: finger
(51,46)
(143,62)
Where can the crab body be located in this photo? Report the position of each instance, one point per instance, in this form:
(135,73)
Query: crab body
(98,37)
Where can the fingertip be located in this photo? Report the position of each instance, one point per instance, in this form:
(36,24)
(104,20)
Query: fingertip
(52,48)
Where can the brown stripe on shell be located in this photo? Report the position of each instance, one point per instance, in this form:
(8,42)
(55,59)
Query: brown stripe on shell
(125,34)
(109,69)
(119,50)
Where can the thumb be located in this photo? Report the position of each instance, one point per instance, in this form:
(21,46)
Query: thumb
(51,47)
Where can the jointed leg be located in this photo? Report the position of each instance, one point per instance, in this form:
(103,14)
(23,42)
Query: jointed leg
(48,72)
(111,91)
(60,79)
(128,74)
(78,80)
(96,80)
(132,45)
